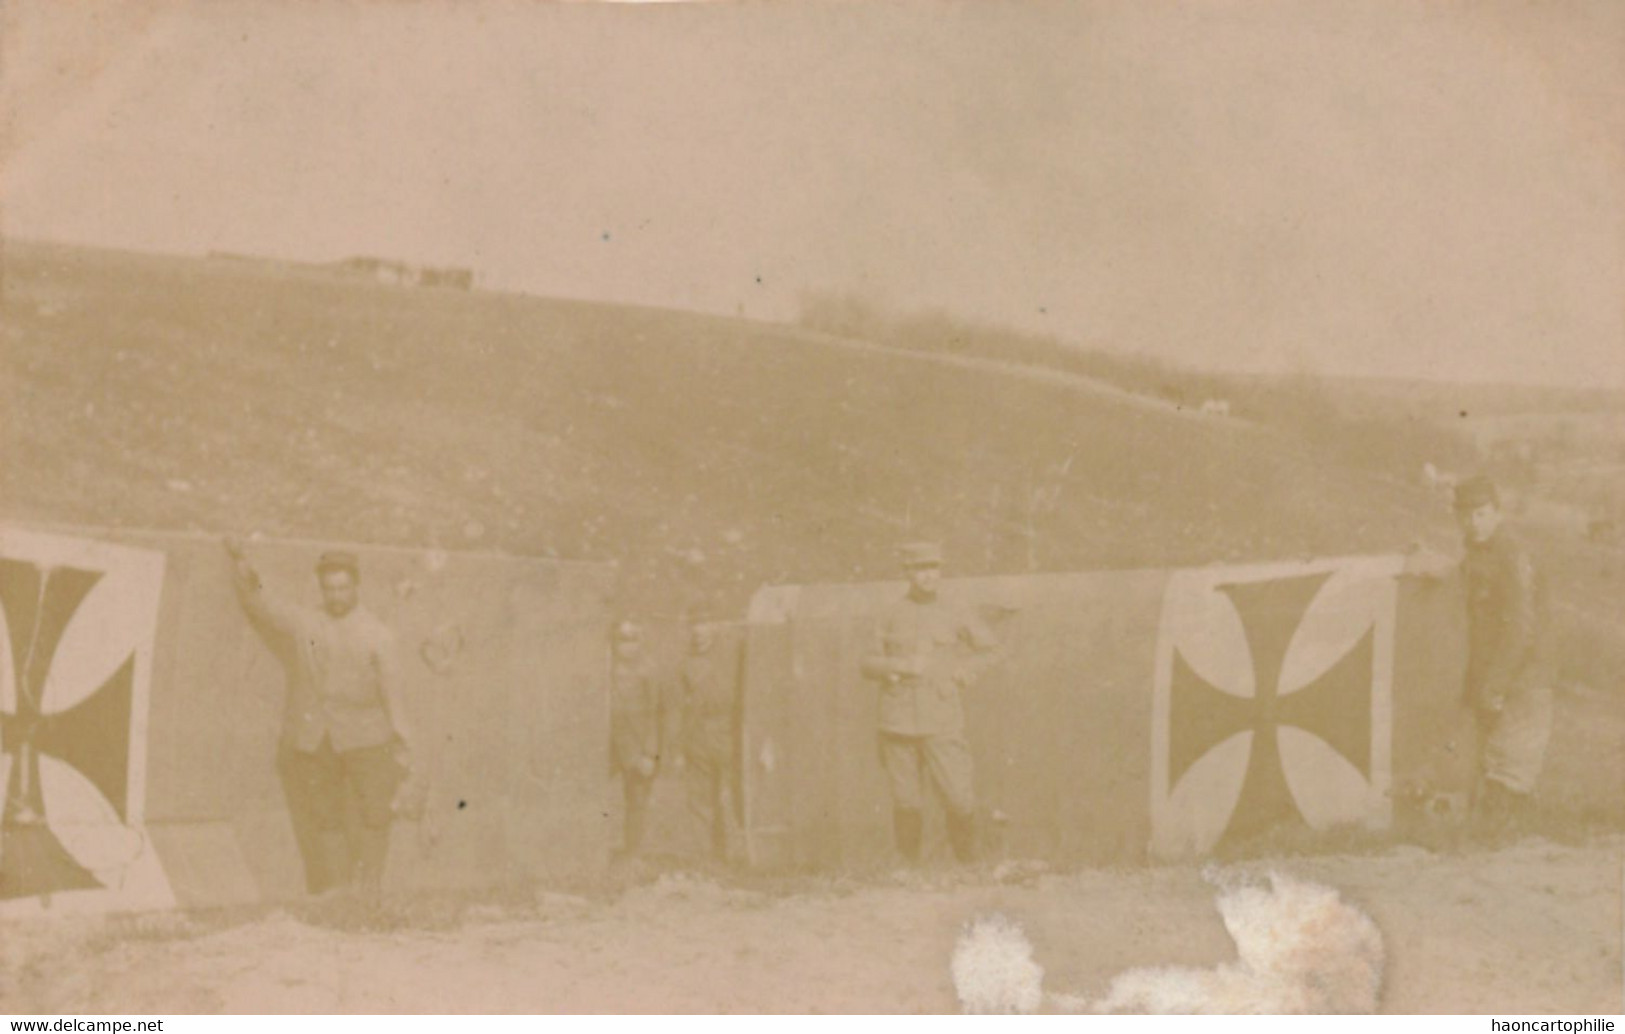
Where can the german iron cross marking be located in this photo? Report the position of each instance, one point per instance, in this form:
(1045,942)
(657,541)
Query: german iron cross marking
(92,737)
(1336,707)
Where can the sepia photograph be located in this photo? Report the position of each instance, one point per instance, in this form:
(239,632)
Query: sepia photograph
(812,507)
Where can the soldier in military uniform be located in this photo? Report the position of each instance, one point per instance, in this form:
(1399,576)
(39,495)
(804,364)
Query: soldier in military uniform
(926,650)
(634,728)
(346,738)
(708,710)
(1508,683)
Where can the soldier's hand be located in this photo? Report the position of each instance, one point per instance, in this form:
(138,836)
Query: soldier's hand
(646,766)
(233,546)
(1425,564)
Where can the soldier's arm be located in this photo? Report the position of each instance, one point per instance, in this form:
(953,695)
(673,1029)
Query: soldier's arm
(983,647)
(271,617)
(1515,627)
(652,732)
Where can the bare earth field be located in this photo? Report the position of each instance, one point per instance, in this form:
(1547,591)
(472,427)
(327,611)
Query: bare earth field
(1533,928)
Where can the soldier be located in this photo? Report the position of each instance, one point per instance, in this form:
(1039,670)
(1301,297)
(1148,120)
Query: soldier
(1508,677)
(346,741)
(925,651)
(709,683)
(634,729)
(1508,683)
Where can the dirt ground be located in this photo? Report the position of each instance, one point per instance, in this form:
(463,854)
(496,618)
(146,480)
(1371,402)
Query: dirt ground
(1531,928)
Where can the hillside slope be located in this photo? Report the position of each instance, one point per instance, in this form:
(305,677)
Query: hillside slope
(708,455)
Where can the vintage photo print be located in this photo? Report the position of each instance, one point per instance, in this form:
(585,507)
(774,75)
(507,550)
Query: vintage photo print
(813,506)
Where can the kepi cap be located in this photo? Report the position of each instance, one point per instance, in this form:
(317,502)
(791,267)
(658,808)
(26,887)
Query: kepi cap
(339,560)
(920,554)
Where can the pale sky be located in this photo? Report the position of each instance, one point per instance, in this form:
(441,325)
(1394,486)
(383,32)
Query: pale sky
(1397,188)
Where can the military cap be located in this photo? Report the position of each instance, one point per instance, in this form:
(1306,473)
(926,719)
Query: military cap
(1475,492)
(339,560)
(920,554)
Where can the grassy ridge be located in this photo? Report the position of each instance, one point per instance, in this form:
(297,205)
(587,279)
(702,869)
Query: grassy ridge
(708,455)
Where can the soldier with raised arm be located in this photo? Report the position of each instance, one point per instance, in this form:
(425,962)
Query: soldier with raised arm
(346,740)
(926,650)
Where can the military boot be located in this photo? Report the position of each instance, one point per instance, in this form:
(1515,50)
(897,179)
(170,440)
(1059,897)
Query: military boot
(337,868)
(1520,813)
(372,850)
(909,825)
(962,837)
(1491,818)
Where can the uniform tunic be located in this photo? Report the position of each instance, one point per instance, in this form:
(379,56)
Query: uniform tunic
(634,716)
(709,708)
(340,672)
(925,652)
(1506,620)
(710,705)
(950,645)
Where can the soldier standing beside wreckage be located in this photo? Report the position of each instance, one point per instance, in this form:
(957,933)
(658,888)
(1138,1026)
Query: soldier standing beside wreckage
(634,728)
(925,651)
(346,742)
(1508,678)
